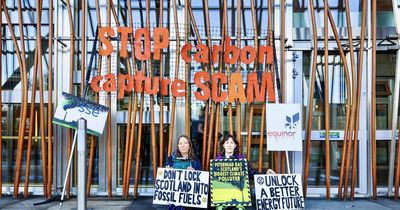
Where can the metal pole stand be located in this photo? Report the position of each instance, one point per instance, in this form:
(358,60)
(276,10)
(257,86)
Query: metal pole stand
(81,148)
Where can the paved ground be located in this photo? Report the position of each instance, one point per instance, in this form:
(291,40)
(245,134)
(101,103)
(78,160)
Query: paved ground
(144,203)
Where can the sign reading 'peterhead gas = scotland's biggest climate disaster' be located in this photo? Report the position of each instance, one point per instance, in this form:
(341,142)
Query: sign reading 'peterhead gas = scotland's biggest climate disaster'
(181,187)
(284,127)
(283,191)
(72,108)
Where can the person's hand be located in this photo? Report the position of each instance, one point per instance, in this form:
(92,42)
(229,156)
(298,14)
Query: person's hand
(270,172)
(190,168)
(167,166)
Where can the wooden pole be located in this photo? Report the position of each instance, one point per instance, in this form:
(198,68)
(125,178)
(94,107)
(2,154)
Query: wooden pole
(127,137)
(187,88)
(221,64)
(239,65)
(71,75)
(131,146)
(343,158)
(209,111)
(133,123)
(359,75)
(263,110)
(346,71)
(50,105)
(139,141)
(41,95)
(373,101)
(251,104)
(210,136)
(173,110)
(216,128)
(310,97)
(196,31)
(326,103)
(353,97)
(161,129)
(228,67)
(152,123)
(282,51)
(24,97)
(31,123)
(109,151)
(128,131)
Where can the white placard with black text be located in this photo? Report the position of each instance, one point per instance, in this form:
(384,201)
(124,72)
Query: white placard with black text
(283,191)
(188,188)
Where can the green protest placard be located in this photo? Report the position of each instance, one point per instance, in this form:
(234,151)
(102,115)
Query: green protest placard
(229,183)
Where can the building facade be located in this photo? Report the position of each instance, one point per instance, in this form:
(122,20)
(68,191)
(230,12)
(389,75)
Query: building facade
(180,115)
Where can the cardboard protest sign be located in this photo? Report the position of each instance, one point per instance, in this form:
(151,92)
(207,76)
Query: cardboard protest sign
(72,108)
(181,187)
(229,182)
(283,191)
(284,127)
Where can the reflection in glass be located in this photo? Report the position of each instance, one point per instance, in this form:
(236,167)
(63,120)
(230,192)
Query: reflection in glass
(317,175)
(382,162)
(337,93)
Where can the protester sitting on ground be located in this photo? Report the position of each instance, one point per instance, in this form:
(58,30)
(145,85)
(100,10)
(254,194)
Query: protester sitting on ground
(183,158)
(229,150)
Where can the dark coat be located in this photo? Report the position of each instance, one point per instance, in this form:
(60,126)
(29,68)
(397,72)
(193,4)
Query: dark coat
(178,163)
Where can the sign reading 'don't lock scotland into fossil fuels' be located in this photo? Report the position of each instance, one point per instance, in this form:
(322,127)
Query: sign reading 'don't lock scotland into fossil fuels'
(141,83)
(181,187)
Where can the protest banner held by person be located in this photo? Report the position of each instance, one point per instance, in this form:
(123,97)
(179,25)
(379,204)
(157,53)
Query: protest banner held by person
(229,150)
(183,158)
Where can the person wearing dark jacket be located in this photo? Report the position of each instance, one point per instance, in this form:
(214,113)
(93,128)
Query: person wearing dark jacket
(229,150)
(183,158)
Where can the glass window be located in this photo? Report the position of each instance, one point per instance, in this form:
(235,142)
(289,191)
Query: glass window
(382,162)
(317,173)
(10,129)
(146,164)
(301,17)
(385,75)
(337,92)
